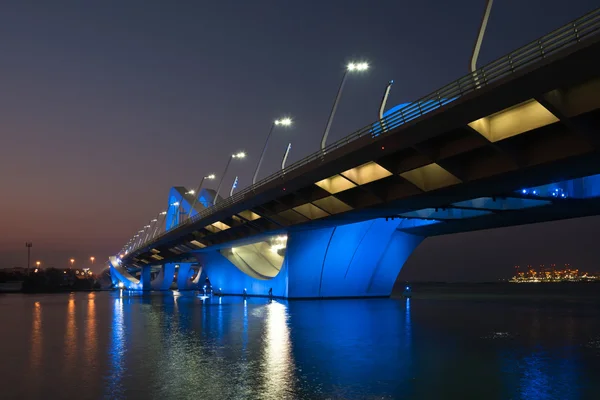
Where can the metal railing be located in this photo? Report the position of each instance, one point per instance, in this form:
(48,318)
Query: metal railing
(559,39)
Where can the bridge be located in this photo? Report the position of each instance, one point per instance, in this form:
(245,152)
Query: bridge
(514,142)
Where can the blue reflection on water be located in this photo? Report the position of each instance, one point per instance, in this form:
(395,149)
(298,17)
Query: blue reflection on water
(412,348)
(115,386)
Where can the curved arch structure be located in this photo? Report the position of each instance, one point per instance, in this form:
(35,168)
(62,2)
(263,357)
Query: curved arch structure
(356,260)
(257,260)
(164,279)
(187,278)
(119,274)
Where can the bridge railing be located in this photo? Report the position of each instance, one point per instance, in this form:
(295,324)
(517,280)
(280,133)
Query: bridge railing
(559,39)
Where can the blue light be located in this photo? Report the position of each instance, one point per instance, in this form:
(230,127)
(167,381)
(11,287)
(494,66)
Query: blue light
(524,191)
(534,192)
(563,195)
(407,288)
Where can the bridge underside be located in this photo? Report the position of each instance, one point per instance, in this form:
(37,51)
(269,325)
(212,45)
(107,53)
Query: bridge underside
(356,259)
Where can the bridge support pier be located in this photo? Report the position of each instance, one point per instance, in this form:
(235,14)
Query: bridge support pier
(184,277)
(355,260)
(164,280)
(146,277)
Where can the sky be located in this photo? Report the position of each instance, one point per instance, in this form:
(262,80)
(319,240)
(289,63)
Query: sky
(104,105)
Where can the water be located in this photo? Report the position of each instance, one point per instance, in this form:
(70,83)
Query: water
(111,346)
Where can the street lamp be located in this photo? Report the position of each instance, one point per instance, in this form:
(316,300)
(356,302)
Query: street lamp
(92,259)
(140,235)
(175,214)
(37,264)
(29,245)
(351,67)
(197,196)
(72,262)
(152,221)
(239,155)
(278,122)
(164,214)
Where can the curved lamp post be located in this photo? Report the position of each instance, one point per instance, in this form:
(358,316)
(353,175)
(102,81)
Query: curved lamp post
(197,196)
(239,155)
(277,122)
(351,67)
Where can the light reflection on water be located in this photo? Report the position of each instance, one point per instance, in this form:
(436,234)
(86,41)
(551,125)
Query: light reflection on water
(36,336)
(70,338)
(278,362)
(114,384)
(122,345)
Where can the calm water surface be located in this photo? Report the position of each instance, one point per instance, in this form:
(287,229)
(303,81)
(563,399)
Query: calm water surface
(119,345)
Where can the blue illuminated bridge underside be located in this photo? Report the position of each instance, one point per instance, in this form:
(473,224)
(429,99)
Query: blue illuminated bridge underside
(515,143)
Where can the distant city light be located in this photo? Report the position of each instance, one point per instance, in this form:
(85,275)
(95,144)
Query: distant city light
(551,274)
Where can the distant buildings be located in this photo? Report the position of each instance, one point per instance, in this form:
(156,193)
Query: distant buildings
(551,274)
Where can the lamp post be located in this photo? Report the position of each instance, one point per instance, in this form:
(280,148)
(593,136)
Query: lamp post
(37,264)
(482,27)
(29,245)
(233,186)
(277,122)
(386,94)
(197,196)
(142,241)
(285,156)
(152,222)
(72,260)
(164,214)
(139,238)
(176,205)
(239,155)
(181,209)
(132,247)
(351,67)
(92,260)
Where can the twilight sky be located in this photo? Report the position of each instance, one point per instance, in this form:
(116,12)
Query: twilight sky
(104,105)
